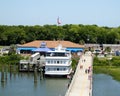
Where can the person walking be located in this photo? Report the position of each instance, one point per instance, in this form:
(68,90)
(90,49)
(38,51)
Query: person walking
(86,71)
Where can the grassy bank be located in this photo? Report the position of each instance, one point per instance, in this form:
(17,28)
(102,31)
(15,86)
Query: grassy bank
(108,66)
(110,70)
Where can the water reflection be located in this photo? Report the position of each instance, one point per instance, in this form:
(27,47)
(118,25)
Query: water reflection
(31,84)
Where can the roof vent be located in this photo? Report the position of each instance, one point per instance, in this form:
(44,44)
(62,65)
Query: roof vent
(43,45)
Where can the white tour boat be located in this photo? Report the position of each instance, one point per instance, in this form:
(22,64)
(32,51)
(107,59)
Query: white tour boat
(58,62)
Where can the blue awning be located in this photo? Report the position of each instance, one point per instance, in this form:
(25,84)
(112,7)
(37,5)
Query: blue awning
(41,49)
(47,49)
(75,49)
(26,48)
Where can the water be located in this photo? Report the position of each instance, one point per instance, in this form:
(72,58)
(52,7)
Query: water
(23,84)
(104,85)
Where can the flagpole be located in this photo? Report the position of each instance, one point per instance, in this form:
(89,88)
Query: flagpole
(58,25)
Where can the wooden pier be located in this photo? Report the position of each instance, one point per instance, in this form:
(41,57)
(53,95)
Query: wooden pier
(81,84)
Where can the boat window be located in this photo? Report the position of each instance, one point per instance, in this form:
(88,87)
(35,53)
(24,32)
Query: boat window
(38,59)
(25,66)
(58,54)
(48,69)
(54,69)
(48,62)
(64,68)
(48,54)
(61,69)
(57,62)
(57,69)
(51,54)
(51,61)
(22,66)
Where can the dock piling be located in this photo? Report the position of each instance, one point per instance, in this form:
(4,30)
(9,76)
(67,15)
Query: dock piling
(35,75)
(2,75)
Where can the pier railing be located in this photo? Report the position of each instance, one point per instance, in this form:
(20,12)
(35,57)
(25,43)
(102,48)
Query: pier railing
(73,80)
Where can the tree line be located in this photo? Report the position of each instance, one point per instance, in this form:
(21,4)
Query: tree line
(20,34)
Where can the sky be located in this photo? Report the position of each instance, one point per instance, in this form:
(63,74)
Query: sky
(42,12)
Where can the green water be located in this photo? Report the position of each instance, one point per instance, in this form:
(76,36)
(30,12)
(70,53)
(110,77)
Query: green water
(24,84)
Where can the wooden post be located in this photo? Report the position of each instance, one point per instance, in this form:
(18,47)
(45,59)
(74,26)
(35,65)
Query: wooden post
(41,73)
(6,73)
(14,66)
(35,75)
(28,67)
(10,68)
(2,75)
(10,72)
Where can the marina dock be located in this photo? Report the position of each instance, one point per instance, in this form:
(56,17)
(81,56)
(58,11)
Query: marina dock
(81,84)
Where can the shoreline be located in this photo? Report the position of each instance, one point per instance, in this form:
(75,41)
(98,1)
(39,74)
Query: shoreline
(113,71)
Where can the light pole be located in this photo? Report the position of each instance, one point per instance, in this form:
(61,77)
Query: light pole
(88,39)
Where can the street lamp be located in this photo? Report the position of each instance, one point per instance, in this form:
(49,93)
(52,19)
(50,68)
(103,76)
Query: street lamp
(88,42)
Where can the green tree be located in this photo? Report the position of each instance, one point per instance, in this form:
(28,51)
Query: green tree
(107,49)
(12,49)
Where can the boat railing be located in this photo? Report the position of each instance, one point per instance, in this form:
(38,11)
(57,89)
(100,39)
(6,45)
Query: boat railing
(24,61)
(58,55)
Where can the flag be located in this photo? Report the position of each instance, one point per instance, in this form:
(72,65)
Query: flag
(58,21)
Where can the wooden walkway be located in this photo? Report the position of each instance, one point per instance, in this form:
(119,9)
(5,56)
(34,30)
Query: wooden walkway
(81,84)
